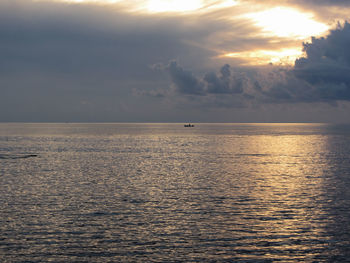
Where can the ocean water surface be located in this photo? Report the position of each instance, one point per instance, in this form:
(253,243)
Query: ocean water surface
(166,193)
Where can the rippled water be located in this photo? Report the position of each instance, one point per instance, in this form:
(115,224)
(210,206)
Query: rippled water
(165,193)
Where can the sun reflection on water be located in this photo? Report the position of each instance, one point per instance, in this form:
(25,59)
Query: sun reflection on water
(279,192)
(159,192)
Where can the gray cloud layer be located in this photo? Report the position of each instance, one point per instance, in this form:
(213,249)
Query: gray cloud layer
(68,62)
(81,62)
(226,82)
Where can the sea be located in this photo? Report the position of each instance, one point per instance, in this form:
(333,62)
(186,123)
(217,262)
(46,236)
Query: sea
(151,192)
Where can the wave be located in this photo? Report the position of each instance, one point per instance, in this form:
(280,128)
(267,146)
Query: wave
(17,156)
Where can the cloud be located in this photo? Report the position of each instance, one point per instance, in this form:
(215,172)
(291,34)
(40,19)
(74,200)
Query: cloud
(327,64)
(324,2)
(225,82)
(55,55)
(184,81)
(323,75)
(88,62)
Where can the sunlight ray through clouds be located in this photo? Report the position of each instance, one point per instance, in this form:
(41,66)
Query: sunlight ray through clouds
(260,57)
(173,5)
(222,4)
(153,6)
(287,22)
(91,1)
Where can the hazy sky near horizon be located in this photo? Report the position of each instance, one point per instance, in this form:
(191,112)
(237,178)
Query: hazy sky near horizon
(174,61)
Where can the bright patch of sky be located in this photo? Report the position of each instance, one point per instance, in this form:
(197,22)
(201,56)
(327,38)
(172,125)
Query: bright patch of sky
(283,56)
(173,5)
(287,22)
(277,22)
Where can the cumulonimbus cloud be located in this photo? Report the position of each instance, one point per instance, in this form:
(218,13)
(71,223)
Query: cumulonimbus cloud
(327,64)
(322,75)
(224,82)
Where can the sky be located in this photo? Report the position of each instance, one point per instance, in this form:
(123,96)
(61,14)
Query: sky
(174,61)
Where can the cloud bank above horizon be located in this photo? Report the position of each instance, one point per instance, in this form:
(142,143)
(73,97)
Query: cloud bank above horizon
(173,60)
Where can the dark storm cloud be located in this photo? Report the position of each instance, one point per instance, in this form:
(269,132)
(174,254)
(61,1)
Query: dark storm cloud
(323,75)
(327,64)
(62,60)
(81,62)
(63,37)
(78,38)
(184,80)
(224,82)
(88,62)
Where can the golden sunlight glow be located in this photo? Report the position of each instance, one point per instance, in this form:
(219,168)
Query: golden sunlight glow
(223,4)
(287,22)
(161,6)
(259,57)
(173,5)
(153,6)
(89,1)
